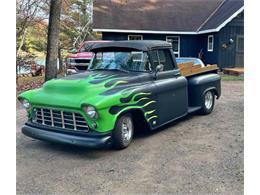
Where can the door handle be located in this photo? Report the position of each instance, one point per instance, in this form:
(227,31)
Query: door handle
(177,74)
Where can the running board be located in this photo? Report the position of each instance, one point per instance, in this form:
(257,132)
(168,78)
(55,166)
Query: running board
(193,109)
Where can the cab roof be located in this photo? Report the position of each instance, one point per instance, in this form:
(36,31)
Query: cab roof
(141,45)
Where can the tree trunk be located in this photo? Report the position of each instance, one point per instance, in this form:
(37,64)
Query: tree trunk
(53,40)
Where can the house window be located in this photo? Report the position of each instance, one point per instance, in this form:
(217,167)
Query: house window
(210,42)
(135,37)
(175,41)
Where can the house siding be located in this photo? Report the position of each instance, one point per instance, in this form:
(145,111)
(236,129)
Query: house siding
(227,56)
(209,57)
(190,45)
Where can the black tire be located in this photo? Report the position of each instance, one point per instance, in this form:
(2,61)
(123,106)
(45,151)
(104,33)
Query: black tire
(123,132)
(207,105)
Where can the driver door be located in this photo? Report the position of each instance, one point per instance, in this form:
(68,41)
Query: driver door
(171,87)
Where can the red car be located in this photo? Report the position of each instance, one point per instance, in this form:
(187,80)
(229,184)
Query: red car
(80,58)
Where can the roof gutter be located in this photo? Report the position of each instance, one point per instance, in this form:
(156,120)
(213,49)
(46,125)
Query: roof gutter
(144,31)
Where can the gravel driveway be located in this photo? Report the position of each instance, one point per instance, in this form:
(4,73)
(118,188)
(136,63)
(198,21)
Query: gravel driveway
(195,155)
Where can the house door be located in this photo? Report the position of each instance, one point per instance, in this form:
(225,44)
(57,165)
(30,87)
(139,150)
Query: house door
(240,51)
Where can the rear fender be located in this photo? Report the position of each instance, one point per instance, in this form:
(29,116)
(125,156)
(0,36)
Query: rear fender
(214,89)
(199,85)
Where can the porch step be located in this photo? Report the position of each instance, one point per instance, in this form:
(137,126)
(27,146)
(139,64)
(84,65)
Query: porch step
(239,71)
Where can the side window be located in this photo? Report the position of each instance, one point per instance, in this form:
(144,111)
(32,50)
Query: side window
(162,56)
(154,58)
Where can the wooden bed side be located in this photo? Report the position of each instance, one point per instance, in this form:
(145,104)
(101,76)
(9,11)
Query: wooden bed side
(188,68)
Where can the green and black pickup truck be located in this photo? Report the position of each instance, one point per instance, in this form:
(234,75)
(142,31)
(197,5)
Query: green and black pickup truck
(129,86)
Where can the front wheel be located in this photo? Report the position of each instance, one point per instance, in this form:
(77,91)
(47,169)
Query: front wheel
(208,102)
(123,132)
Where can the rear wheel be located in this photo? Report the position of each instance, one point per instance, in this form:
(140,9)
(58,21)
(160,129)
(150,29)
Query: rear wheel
(208,102)
(123,132)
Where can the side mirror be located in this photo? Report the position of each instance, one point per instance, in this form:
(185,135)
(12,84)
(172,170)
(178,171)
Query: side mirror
(159,68)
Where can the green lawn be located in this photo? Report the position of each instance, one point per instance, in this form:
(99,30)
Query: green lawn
(225,77)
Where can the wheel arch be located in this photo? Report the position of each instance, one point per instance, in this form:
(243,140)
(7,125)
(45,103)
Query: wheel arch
(214,89)
(138,117)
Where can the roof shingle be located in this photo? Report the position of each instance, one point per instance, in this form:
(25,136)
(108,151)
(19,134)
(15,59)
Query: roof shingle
(162,15)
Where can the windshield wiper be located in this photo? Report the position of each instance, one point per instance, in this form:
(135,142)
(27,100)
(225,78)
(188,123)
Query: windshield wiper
(97,69)
(112,69)
(118,69)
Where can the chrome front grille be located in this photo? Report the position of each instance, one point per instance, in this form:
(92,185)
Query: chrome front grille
(61,119)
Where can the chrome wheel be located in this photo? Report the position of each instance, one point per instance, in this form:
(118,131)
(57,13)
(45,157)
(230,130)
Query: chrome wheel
(208,100)
(123,132)
(127,129)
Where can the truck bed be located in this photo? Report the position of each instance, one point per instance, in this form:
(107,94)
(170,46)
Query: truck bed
(188,69)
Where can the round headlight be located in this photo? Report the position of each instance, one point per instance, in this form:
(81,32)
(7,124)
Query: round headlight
(26,104)
(90,111)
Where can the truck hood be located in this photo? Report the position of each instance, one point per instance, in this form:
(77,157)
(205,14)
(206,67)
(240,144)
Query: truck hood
(87,55)
(91,87)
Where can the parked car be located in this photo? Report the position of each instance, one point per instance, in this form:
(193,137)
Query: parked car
(37,70)
(196,61)
(79,59)
(129,85)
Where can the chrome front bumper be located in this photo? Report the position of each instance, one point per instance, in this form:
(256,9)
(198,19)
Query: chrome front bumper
(90,139)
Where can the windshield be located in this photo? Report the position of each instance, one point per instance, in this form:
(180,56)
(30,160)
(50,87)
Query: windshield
(121,60)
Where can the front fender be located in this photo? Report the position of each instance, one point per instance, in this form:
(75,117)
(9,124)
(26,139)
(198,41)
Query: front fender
(107,121)
(111,108)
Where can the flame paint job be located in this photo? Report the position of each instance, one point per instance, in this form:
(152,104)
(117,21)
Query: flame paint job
(111,93)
